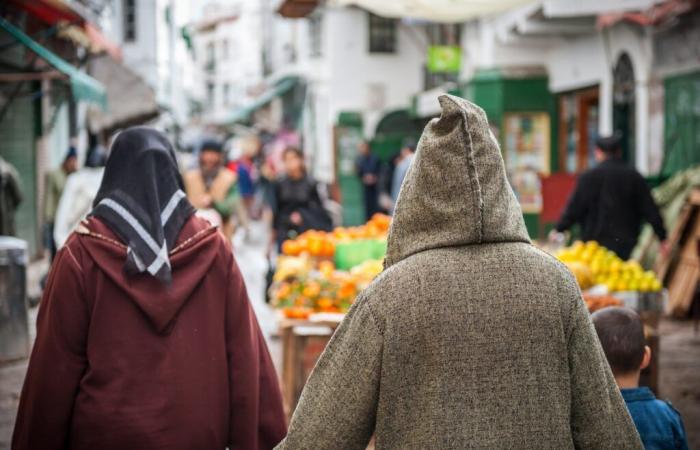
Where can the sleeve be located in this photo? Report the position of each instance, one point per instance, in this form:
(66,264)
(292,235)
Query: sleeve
(228,205)
(575,208)
(57,363)
(257,415)
(337,408)
(648,208)
(599,416)
(679,436)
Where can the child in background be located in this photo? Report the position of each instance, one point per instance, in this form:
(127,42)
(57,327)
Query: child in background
(621,335)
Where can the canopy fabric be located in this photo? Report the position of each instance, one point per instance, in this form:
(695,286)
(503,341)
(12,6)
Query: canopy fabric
(84,87)
(280,88)
(131,100)
(448,11)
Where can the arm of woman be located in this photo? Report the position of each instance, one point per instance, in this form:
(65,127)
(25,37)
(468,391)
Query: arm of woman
(58,360)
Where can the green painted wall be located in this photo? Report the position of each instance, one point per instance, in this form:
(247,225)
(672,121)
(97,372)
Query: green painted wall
(18,132)
(681,123)
(348,135)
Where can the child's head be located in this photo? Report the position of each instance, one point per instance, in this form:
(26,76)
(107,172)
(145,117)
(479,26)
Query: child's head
(621,334)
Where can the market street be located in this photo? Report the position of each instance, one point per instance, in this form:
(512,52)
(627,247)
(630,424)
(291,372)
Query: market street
(679,364)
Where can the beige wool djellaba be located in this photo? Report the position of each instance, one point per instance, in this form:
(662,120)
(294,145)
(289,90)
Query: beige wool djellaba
(471,337)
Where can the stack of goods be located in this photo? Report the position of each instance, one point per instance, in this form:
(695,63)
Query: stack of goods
(596,302)
(324,272)
(594,265)
(607,280)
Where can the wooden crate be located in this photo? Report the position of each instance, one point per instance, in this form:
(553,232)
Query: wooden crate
(303,343)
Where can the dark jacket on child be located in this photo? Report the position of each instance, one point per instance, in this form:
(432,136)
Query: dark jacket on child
(659,425)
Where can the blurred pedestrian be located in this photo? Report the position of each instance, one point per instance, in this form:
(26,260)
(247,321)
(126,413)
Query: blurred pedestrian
(10,197)
(610,203)
(621,334)
(297,203)
(472,337)
(404,163)
(78,194)
(212,188)
(55,183)
(145,337)
(244,168)
(368,169)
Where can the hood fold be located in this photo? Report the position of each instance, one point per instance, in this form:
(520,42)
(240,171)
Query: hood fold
(456,191)
(192,258)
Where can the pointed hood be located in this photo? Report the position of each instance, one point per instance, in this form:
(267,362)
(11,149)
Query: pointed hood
(195,252)
(456,191)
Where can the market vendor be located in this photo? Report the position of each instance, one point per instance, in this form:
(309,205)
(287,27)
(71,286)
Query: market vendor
(610,203)
(297,203)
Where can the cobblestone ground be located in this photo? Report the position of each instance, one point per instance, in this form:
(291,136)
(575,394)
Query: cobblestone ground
(679,355)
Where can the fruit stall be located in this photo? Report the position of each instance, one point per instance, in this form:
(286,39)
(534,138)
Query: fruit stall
(317,279)
(607,280)
(319,275)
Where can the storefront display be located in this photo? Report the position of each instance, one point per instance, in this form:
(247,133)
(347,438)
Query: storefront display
(527,152)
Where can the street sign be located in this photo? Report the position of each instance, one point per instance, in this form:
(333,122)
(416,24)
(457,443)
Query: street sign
(444,59)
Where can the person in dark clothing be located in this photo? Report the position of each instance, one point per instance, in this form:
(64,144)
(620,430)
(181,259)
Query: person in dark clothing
(297,205)
(368,169)
(145,337)
(610,202)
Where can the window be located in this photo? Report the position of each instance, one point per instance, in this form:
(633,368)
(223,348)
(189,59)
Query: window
(226,93)
(224,49)
(382,34)
(315,35)
(129,12)
(210,94)
(210,64)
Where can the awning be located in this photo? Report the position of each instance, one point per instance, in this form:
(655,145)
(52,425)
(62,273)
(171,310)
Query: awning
(295,9)
(280,88)
(83,86)
(131,100)
(448,11)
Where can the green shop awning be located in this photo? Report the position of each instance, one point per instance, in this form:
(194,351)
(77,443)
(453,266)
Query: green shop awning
(279,89)
(84,87)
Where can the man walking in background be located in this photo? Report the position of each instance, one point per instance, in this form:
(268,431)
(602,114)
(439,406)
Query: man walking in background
(211,188)
(368,169)
(55,183)
(406,157)
(611,201)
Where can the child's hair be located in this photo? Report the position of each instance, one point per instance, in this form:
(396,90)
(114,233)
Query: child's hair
(621,334)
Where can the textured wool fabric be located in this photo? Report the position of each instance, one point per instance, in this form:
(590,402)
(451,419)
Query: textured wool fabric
(472,337)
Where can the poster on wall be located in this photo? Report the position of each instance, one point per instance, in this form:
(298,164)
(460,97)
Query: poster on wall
(527,153)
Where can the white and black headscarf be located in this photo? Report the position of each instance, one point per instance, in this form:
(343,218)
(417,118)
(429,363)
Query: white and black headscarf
(142,199)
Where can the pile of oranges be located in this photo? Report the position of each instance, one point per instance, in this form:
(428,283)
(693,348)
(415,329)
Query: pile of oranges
(316,292)
(322,244)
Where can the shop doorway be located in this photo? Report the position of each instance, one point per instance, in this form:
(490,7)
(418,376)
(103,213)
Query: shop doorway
(578,129)
(624,107)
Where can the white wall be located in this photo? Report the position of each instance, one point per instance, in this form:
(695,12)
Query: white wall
(242,69)
(141,55)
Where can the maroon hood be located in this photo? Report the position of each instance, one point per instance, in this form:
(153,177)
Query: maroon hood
(191,259)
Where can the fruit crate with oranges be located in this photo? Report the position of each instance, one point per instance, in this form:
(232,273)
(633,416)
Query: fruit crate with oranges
(322,272)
